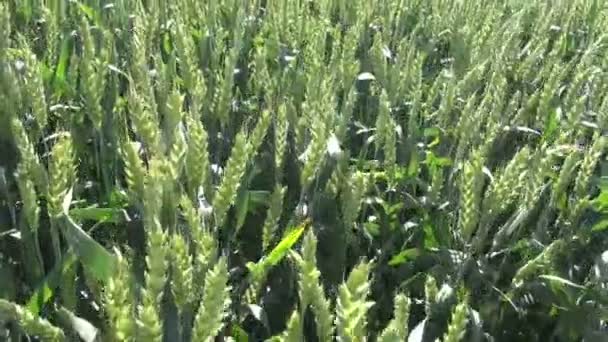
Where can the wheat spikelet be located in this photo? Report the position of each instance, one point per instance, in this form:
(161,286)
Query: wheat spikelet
(281,126)
(314,153)
(272,217)
(30,163)
(311,290)
(93,77)
(197,157)
(293,332)
(182,272)
(29,198)
(214,303)
(588,164)
(149,323)
(352,197)
(31,325)
(259,132)
(144,122)
(397,329)
(235,169)
(458,324)
(33,90)
(352,304)
(565,178)
(118,301)
(470,187)
(62,173)
(135,172)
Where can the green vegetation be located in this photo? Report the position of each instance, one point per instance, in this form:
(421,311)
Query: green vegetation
(303,170)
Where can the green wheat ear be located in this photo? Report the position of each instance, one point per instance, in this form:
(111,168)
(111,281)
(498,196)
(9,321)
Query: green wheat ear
(197,158)
(235,169)
(31,325)
(458,324)
(272,217)
(470,188)
(214,303)
(293,332)
(311,290)
(182,272)
(135,172)
(62,173)
(397,329)
(118,300)
(352,304)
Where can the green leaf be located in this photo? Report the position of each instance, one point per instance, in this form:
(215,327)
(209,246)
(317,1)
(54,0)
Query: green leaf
(405,256)
(88,11)
(600,226)
(99,262)
(601,202)
(560,280)
(239,334)
(242,207)
(413,168)
(278,253)
(61,70)
(258,198)
(551,126)
(110,215)
(430,240)
(46,290)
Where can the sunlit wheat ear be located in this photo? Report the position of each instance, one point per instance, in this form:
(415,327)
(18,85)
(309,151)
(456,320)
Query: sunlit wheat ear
(352,197)
(273,215)
(590,160)
(505,188)
(397,329)
(566,174)
(352,304)
(62,173)
(470,187)
(30,163)
(182,272)
(458,324)
(314,154)
(30,324)
(173,116)
(205,245)
(135,172)
(281,127)
(214,303)
(235,169)
(34,89)
(293,332)
(144,121)
(92,72)
(185,48)
(119,301)
(197,158)
(29,198)
(259,133)
(430,294)
(311,291)
(541,262)
(536,178)
(149,323)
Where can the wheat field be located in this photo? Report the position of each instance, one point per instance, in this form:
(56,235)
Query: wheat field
(303,170)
